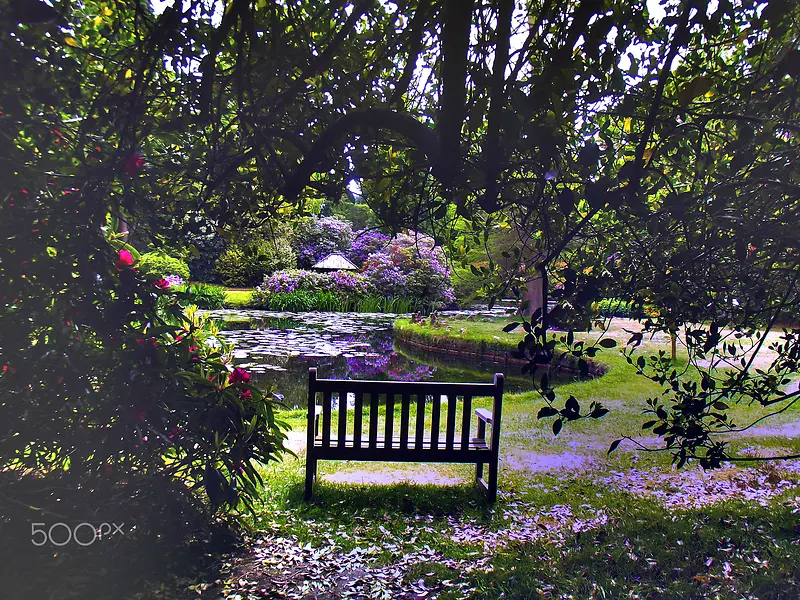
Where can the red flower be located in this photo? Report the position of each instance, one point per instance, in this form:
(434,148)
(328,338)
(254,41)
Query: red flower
(246,395)
(161,284)
(132,165)
(238,375)
(192,348)
(124,259)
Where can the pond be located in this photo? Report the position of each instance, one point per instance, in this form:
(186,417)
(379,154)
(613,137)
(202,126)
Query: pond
(279,347)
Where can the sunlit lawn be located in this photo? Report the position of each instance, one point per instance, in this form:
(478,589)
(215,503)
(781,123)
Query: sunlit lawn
(570,522)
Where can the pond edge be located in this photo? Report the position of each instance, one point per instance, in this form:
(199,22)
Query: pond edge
(480,351)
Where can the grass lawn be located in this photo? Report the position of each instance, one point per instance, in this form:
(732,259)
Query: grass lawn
(237,297)
(571,522)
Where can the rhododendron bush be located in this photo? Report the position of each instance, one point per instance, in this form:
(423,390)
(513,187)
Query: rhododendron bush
(121,377)
(105,371)
(411,264)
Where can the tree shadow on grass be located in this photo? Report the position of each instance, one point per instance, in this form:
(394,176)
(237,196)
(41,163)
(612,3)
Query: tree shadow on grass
(56,546)
(399,498)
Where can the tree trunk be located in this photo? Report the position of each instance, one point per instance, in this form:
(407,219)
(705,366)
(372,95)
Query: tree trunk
(535,291)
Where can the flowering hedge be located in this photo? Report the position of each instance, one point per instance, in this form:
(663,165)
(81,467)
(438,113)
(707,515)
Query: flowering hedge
(299,280)
(409,266)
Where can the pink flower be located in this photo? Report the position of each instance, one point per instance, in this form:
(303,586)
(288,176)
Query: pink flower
(246,395)
(238,375)
(192,348)
(132,165)
(124,259)
(161,284)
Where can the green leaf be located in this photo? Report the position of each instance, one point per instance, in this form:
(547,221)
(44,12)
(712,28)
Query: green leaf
(614,446)
(547,411)
(608,342)
(696,87)
(511,327)
(557,426)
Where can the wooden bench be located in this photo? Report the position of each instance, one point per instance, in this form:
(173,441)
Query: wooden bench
(385,441)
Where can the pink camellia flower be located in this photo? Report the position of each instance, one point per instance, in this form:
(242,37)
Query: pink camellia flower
(124,259)
(133,163)
(161,284)
(238,375)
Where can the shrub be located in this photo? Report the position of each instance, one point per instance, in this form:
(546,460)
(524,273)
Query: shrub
(366,243)
(204,295)
(360,216)
(161,265)
(343,285)
(246,265)
(314,238)
(208,244)
(411,266)
(154,395)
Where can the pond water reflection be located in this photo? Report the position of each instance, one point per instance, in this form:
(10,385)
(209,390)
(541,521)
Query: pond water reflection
(278,348)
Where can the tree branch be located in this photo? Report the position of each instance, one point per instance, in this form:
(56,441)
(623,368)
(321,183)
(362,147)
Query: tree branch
(423,137)
(455,46)
(492,153)
(415,46)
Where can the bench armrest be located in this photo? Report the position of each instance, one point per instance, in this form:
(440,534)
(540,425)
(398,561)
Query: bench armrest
(484,415)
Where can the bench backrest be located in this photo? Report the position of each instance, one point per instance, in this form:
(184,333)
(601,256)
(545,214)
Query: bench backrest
(406,393)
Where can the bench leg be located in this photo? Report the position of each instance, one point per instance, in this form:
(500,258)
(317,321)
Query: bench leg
(492,483)
(311,474)
(478,472)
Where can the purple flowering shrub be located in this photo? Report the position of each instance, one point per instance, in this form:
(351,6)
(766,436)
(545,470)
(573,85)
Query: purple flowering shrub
(314,238)
(365,243)
(411,265)
(343,283)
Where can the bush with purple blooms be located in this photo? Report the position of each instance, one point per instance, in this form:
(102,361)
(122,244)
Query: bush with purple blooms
(411,265)
(346,284)
(314,238)
(365,243)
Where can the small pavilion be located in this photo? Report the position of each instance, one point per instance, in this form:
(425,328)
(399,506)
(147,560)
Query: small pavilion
(334,262)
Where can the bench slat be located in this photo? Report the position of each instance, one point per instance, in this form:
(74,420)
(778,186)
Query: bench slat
(473,444)
(405,410)
(466,420)
(326,418)
(450,427)
(398,387)
(389,416)
(358,413)
(436,413)
(342,432)
(420,426)
(373,419)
